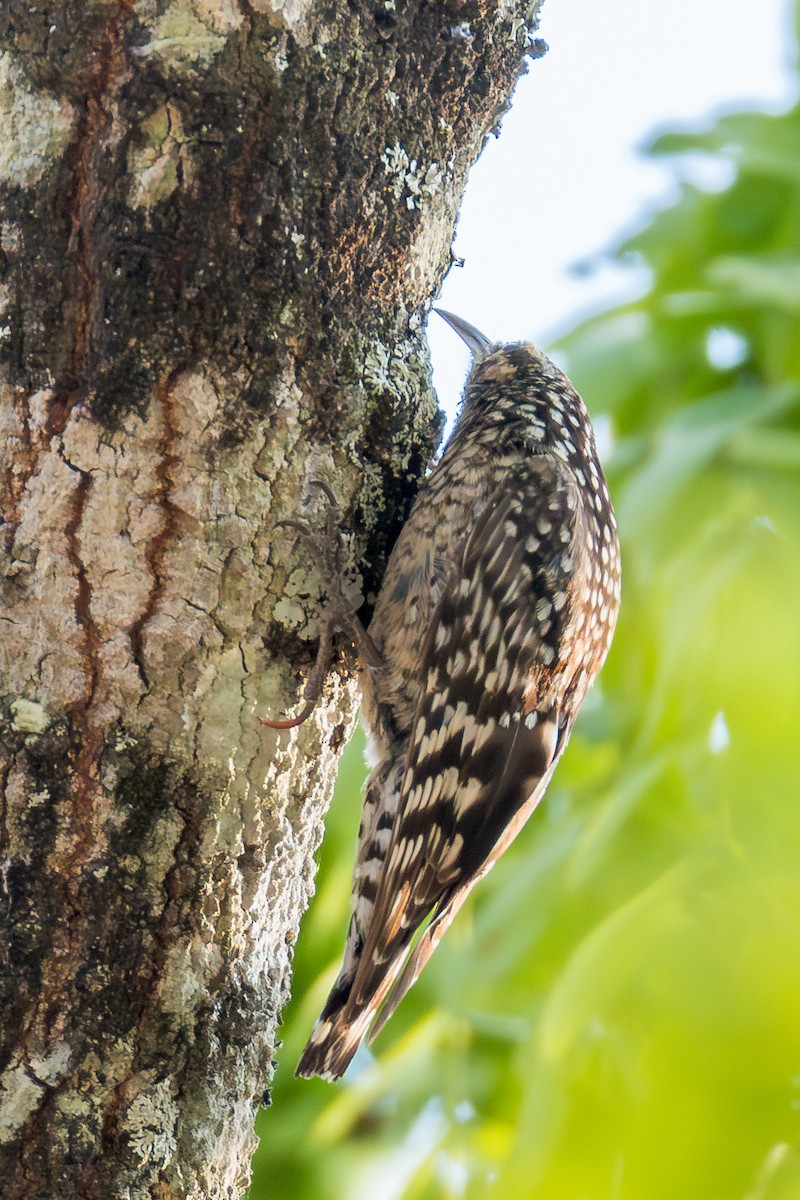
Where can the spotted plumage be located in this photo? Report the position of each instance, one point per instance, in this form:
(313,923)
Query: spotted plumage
(496,612)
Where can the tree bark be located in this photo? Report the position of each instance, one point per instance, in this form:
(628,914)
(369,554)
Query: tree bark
(222,225)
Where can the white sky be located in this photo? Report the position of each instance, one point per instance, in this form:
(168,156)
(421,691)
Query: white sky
(565,179)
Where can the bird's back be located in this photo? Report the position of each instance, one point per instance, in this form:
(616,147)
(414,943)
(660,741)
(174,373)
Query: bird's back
(496,612)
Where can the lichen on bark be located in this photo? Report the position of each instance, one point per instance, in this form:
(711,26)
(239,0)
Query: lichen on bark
(222,225)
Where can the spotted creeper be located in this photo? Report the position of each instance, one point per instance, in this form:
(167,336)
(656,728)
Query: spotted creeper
(496,612)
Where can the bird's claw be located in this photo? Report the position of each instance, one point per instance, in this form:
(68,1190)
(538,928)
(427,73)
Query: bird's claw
(339,609)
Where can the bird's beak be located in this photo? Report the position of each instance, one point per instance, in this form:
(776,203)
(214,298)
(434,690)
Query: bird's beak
(477,341)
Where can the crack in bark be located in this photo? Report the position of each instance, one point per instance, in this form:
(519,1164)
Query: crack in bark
(84,781)
(212,616)
(83,594)
(107,73)
(106,77)
(5,838)
(156,550)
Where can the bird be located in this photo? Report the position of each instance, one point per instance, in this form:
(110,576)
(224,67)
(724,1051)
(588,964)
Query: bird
(496,611)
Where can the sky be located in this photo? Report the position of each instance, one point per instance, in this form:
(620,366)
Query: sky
(566,177)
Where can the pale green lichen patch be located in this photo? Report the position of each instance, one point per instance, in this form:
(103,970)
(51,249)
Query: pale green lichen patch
(189,35)
(35,127)
(289,613)
(150,1125)
(427,245)
(49,1068)
(523,20)
(19,1097)
(154,165)
(29,717)
(415,180)
(292,12)
(22,1088)
(300,598)
(10,238)
(402,371)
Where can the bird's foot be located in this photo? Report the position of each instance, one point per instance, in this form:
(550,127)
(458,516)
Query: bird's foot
(341,588)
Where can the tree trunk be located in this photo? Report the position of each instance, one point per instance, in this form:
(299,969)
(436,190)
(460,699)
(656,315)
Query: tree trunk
(222,225)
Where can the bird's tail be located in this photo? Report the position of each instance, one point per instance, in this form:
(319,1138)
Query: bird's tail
(332,1044)
(348,1014)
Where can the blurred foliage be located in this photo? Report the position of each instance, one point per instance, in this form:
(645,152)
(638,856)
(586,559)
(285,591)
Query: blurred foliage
(616,1015)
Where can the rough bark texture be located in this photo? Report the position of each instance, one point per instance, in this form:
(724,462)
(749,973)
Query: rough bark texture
(222,224)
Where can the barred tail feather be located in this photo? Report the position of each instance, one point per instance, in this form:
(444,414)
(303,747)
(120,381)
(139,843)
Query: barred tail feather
(332,1045)
(419,956)
(348,1014)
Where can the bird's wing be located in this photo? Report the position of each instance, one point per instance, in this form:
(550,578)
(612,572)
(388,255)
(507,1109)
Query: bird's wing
(488,728)
(487,732)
